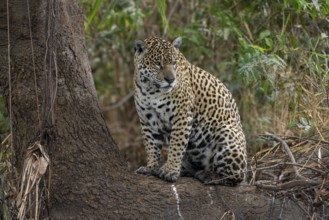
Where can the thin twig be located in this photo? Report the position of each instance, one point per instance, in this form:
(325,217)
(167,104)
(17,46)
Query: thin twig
(4,140)
(265,137)
(316,199)
(290,185)
(288,151)
(307,139)
(274,149)
(4,151)
(290,164)
(301,143)
(119,103)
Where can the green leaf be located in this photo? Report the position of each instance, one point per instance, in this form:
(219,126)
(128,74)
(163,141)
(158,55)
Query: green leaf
(106,18)
(259,48)
(264,87)
(93,12)
(264,34)
(269,42)
(294,42)
(161,6)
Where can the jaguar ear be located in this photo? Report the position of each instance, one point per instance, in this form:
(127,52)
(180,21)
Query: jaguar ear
(139,46)
(177,42)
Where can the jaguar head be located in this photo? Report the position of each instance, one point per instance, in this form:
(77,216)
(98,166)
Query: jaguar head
(156,63)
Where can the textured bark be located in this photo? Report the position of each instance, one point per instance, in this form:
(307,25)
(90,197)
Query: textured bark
(88,177)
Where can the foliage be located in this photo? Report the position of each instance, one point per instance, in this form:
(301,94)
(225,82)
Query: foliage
(271,54)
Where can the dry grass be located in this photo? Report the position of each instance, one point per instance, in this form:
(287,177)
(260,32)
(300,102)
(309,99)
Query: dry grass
(35,166)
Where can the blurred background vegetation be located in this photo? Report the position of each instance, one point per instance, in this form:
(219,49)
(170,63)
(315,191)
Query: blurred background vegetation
(272,55)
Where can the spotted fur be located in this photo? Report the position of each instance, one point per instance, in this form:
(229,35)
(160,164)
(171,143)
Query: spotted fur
(191,111)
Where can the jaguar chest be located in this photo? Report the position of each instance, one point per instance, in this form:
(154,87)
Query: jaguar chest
(157,113)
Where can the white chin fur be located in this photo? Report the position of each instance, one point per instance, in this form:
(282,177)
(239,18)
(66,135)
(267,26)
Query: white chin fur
(167,89)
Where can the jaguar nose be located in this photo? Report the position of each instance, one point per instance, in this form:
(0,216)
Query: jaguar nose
(169,79)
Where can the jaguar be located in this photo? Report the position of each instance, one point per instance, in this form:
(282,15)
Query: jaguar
(190,111)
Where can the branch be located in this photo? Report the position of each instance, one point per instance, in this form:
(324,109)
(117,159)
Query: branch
(290,185)
(288,151)
(290,164)
(119,103)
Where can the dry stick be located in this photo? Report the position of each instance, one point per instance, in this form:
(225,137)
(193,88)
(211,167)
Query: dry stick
(320,189)
(301,143)
(263,136)
(268,151)
(291,164)
(4,151)
(316,127)
(317,195)
(288,151)
(4,140)
(289,185)
(119,103)
(307,139)
(309,158)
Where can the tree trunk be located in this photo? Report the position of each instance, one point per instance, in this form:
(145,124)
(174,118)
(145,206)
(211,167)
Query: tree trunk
(52,98)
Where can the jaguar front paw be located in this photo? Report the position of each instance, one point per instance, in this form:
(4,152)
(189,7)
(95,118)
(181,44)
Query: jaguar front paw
(167,174)
(146,171)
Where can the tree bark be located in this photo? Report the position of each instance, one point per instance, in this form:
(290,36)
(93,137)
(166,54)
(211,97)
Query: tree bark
(53,99)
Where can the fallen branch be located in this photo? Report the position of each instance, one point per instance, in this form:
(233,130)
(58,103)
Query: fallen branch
(288,151)
(290,164)
(290,185)
(307,139)
(269,136)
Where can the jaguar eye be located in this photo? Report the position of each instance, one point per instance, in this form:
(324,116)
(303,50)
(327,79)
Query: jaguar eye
(158,65)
